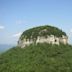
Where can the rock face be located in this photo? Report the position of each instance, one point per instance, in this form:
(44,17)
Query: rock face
(44,34)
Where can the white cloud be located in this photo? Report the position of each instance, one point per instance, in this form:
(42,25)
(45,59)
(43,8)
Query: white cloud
(17,34)
(71,30)
(70,36)
(20,22)
(2,27)
(70,33)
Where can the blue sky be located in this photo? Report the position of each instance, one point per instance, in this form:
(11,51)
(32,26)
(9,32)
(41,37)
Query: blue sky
(18,15)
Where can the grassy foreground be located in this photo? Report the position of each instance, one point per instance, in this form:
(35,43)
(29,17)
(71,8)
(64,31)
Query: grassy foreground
(37,58)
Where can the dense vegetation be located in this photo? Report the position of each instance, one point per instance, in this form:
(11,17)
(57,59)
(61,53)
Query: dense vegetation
(40,31)
(37,58)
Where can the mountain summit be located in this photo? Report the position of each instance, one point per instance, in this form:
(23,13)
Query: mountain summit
(43,34)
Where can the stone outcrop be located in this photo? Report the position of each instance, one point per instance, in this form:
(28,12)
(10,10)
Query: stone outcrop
(50,39)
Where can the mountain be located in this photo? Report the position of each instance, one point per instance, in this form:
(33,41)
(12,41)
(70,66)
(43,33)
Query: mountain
(37,58)
(4,47)
(42,34)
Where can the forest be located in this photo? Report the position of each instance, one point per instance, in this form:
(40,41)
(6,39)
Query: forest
(37,58)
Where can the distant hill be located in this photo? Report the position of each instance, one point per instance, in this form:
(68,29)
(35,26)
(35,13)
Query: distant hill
(37,58)
(4,47)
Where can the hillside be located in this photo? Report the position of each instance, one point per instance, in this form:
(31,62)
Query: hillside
(42,31)
(37,58)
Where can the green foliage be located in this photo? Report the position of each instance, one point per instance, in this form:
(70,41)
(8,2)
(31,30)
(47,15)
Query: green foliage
(38,31)
(37,58)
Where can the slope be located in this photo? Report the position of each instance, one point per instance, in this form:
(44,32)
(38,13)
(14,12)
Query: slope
(37,58)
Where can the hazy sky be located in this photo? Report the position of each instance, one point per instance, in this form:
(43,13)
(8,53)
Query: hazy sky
(18,15)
